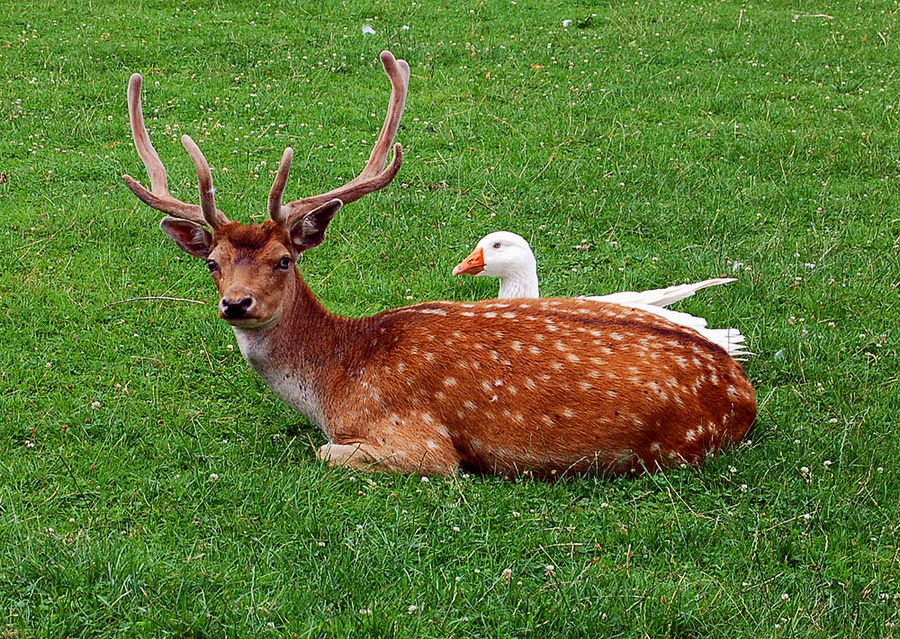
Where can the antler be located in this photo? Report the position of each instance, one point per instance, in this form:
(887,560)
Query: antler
(374,176)
(158,197)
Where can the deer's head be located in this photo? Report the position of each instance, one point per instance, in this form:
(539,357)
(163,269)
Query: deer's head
(253,264)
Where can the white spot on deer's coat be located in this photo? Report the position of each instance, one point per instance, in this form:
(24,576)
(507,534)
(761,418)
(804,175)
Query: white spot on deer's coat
(585,386)
(517,346)
(490,315)
(534,350)
(690,436)
(469,404)
(434,311)
(568,413)
(529,383)
(561,347)
(443,432)
(655,447)
(450,381)
(617,336)
(431,444)
(467,314)
(572,357)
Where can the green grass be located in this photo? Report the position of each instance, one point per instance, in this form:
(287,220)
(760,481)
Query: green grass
(150,485)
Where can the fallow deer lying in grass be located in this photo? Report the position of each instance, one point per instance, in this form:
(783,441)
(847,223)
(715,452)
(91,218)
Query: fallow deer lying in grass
(548,386)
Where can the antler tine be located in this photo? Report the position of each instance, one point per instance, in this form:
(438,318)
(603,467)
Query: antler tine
(213,216)
(158,197)
(374,176)
(276,211)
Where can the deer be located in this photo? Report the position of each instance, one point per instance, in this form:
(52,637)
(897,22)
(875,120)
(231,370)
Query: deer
(543,388)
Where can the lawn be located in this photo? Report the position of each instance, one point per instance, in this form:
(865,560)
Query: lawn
(151,485)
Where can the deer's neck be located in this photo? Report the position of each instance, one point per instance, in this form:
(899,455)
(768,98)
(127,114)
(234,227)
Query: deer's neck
(520,283)
(301,353)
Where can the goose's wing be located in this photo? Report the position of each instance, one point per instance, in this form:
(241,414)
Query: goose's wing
(730,339)
(659,296)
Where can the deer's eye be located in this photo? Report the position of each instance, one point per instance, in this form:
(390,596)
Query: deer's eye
(284,263)
(212,265)
(496,244)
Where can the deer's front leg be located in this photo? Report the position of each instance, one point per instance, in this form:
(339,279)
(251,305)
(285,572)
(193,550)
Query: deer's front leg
(366,456)
(354,455)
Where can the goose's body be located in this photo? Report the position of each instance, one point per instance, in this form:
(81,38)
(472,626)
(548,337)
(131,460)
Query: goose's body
(508,256)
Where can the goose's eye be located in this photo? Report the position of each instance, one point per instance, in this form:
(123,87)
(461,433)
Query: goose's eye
(496,244)
(284,263)
(212,265)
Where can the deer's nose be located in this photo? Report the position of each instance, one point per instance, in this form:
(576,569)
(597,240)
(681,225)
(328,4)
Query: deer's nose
(236,308)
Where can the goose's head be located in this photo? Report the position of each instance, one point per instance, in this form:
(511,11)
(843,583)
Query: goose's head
(499,254)
(507,256)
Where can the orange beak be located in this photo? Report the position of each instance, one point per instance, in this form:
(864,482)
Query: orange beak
(473,265)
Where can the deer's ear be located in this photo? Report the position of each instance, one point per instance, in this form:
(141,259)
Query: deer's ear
(191,238)
(309,230)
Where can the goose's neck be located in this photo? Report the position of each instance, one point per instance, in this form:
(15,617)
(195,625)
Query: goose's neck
(522,283)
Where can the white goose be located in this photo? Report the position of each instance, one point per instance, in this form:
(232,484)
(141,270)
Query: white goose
(509,257)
